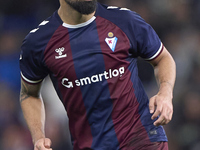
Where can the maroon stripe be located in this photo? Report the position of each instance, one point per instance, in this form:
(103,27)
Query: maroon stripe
(126,118)
(72,97)
(148,146)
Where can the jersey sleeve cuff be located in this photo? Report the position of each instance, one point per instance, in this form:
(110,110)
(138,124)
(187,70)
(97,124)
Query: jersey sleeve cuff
(30,81)
(156,54)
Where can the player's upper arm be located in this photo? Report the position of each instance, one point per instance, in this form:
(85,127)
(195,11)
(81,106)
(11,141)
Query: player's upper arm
(29,90)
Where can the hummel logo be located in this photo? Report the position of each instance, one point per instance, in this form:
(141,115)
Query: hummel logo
(60,53)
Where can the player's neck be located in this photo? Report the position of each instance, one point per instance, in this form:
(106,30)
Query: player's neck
(71,16)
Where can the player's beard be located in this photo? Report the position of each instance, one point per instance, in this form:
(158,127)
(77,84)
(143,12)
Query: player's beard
(83,7)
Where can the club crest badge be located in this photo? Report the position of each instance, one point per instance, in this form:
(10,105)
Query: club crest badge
(111,41)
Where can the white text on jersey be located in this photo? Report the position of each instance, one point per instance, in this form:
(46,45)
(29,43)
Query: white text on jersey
(95,78)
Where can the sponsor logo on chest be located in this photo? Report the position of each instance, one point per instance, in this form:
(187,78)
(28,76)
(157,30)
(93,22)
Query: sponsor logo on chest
(94,79)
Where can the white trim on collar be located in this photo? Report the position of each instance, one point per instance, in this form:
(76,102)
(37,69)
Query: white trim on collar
(79,25)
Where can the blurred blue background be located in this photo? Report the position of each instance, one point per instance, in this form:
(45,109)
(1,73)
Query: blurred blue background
(177,23)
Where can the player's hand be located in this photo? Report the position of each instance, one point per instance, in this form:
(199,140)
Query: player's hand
(161,105)
(43,144)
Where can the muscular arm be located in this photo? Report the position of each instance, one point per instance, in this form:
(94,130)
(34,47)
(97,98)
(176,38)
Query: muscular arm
(165,73)
(33,110)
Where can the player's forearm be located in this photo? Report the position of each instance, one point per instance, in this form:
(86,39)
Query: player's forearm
(165,72)
(33,109)
(34,114)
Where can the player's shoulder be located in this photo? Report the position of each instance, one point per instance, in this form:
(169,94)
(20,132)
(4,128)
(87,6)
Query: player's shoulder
(117,14)
(43,32)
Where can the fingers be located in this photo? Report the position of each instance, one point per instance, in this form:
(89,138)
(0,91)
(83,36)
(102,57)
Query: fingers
(47,143)
(162,120)
(165,116)
(157,112)
(43,144)
(163,110)
(152,105)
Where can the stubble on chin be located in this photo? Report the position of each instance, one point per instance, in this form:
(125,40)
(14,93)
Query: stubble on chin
(85,7)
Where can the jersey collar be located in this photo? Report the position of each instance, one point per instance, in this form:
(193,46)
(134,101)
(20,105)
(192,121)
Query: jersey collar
(79,25)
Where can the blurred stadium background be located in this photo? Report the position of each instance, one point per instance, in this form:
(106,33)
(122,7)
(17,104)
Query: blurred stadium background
(177,23)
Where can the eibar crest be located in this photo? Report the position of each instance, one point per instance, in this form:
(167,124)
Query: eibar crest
(60,53)
(111,41)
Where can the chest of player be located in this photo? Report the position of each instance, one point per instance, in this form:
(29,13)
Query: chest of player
(88,50)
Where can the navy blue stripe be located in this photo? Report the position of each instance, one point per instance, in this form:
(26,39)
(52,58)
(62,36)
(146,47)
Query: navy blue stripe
(143,100)
(89,61)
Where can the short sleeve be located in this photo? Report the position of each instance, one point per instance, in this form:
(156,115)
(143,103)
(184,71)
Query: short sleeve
(148,44)
(32,64)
